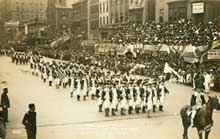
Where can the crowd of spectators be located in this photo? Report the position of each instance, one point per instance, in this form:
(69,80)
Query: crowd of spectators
(182,32)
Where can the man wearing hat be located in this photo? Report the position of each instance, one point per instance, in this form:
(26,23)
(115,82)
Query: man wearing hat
(162,95)
(5,103)
(30,123)
(197,101)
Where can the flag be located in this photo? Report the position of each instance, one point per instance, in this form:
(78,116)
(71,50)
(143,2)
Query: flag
(168,69)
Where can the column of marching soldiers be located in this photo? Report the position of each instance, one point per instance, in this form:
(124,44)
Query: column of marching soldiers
(116,94)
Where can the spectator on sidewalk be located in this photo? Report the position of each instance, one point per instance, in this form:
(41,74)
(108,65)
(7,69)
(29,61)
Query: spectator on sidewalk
(29,121)
(5,103)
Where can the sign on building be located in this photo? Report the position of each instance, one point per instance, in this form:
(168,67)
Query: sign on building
(136,4)
(198,8)
(11,24)
(214,54)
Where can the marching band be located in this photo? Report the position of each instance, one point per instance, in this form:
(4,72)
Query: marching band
(113,91)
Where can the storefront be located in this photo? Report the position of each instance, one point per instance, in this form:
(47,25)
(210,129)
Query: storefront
(199,11)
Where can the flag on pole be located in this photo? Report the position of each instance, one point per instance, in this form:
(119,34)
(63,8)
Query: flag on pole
(168,69)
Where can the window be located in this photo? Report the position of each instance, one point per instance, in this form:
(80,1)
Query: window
(106,19)
(103,20)
(107,6)
(100,7)
(100,20)
(103,7)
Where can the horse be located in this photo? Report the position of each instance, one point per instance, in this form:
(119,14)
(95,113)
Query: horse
(203,120)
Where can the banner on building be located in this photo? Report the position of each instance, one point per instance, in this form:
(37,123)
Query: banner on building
(214,54)
(11,24)
(198,7)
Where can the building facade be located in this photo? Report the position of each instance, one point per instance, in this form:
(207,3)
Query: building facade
(80,19)
(141,11)
(59,16)
(93,24)
(23,10)
(197,10)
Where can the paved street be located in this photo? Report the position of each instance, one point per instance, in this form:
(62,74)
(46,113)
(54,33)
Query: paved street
(59,116)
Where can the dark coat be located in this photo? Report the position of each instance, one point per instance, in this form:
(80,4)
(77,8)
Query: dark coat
(29,121)
(5,100)
(193,100)
(2,129)
(199,83)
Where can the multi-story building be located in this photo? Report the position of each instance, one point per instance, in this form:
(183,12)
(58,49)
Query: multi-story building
(141,11)
(80,18)
(59,16)
(112,14)
(93,24)
(119,10)
(197,10)
(116,13)
(104,13)
(23,10)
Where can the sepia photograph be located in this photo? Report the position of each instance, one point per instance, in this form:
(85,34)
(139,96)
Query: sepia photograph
(109,69)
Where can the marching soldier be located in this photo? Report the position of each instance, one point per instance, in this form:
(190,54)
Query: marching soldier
(130,98)
(106,100)
(72,86)
(143,98)
(162,95)
(149,99)
(122,99)
(45,76)
(92,87)
(99,92)
(57,82)
(50,79)
(85,87)
(155,96)
(65,81)
(78,89)
(137,99)
(114,99)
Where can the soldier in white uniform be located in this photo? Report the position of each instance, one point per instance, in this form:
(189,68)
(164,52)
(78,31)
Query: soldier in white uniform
(85,88)
(162,95)
(123,99)
(99,92)
(114,102)
(65,81)
(143,97)
(92,88)
(137,99)
(78,89)
(72,87)
(130,98)
(57,82)
(149,99)
(45,76)
(106,100)
(50,79)
(155,96)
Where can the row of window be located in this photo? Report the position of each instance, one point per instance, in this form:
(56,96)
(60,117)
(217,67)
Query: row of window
(103,20)
(140,2)
(103,7)
(30,16)
(29,10)
(22,3)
